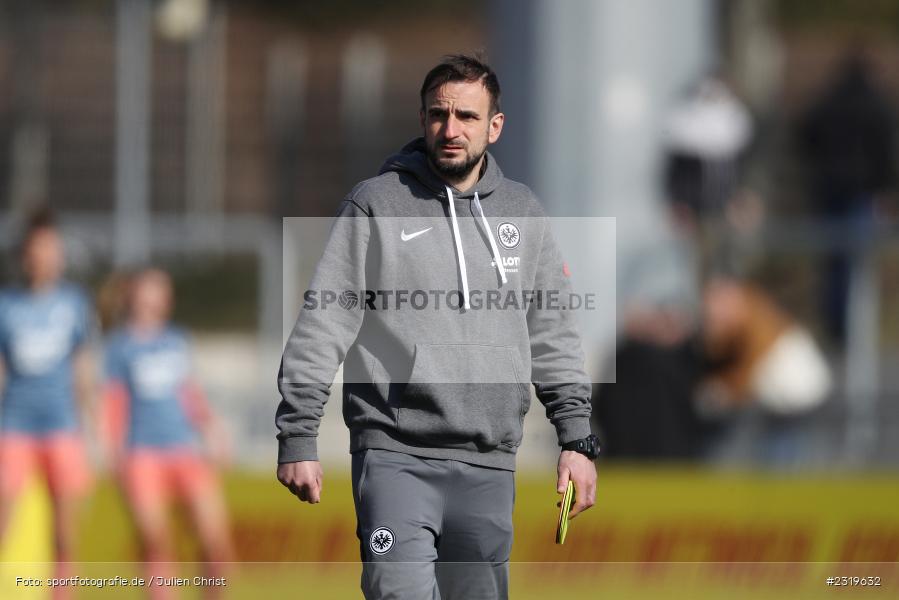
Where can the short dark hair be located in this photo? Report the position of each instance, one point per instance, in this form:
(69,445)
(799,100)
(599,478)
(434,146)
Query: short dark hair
(41,219)
(462,67)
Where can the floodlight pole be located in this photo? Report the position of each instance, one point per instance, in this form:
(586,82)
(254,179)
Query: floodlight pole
(133,63)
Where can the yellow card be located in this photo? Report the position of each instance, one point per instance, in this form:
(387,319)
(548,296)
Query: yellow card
(567,503)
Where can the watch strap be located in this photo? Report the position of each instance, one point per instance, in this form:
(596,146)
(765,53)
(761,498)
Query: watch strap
(588,446)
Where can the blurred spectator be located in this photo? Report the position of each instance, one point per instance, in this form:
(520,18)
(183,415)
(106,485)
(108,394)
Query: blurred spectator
(706,136)
(647,414)
(685,390)
(44,329)
(758,355)
(848,142)
(155,415)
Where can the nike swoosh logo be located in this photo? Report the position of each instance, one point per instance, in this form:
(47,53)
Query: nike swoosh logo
(406,237)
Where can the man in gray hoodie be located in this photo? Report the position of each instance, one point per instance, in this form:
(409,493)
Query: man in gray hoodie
(444,296)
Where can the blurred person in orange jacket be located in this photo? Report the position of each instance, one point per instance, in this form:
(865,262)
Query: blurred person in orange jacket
(156,427)
(757,354)
(45,326)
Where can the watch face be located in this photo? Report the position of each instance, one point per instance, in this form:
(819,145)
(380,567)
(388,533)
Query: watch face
(592,445)
(589,446)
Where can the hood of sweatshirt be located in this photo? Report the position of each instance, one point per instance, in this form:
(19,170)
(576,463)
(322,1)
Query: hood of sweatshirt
(412,158)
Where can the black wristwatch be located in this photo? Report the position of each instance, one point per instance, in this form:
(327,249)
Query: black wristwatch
(588,446)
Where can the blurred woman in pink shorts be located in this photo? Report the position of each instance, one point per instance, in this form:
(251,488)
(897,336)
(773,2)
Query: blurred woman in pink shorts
(44,330)
(160,432)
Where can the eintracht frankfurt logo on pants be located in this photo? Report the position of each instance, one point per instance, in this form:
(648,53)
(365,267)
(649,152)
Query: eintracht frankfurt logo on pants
(381,540)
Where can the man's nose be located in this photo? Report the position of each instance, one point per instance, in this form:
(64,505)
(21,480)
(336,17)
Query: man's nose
(451,131)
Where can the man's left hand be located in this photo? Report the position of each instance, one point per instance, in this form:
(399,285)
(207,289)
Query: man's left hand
(582,472)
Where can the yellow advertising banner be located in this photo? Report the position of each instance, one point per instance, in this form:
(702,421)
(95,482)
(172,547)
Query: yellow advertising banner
(679,532)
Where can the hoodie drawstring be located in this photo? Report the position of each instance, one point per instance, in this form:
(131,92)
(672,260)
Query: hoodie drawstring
(463,271)
(459,254)
(496,258)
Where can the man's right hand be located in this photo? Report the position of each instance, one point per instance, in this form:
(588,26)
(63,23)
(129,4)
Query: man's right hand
(303,479)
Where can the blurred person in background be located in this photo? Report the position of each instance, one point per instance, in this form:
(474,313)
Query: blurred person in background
(759,357)
(156,425)
(45,326)
(706,137)
(848,140)
(647,413)
(691,388)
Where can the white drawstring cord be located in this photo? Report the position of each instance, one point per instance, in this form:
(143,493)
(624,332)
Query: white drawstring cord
(493,247)
(461,256)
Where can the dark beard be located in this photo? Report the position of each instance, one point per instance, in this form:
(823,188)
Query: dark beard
(454,172)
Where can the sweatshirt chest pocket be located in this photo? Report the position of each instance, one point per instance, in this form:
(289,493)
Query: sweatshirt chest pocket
(463,394)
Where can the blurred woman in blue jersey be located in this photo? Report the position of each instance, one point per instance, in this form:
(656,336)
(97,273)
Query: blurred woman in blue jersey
(160,432)
(44,327)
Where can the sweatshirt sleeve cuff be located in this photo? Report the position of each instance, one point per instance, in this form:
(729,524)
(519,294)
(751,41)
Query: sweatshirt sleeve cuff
(572,428)
(297,448)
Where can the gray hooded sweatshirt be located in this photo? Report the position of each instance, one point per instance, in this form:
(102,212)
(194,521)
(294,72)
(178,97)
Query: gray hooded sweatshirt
(443,319)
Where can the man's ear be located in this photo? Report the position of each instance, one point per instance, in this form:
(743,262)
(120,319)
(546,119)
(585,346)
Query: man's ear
(421,118)
(495,128)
